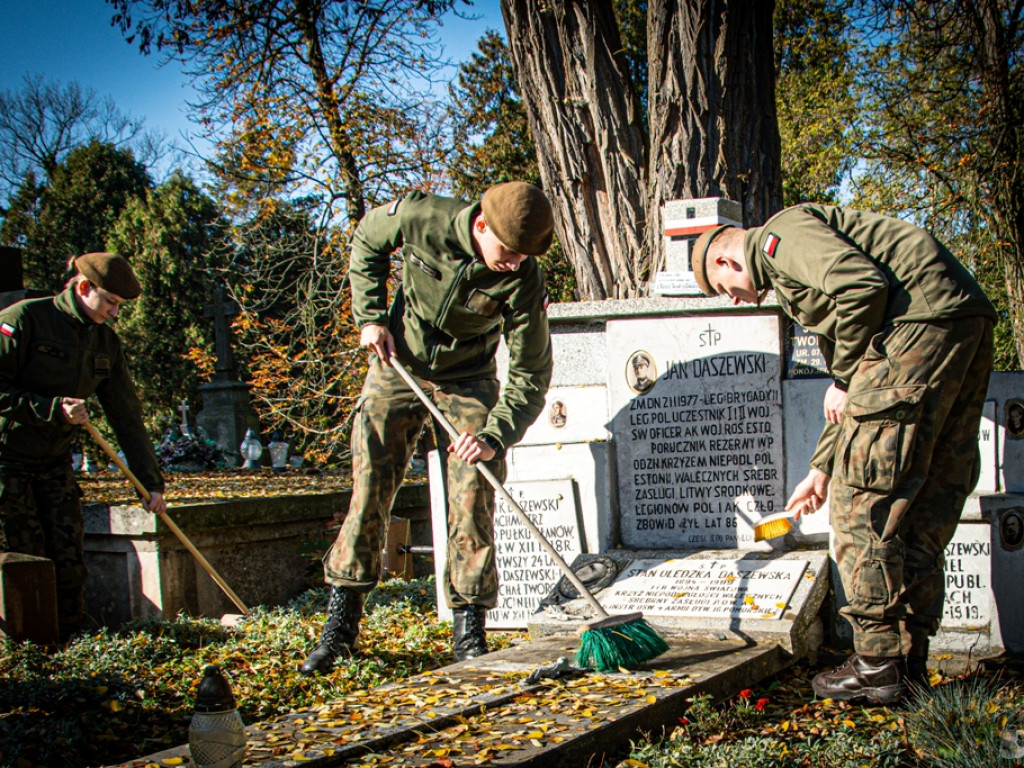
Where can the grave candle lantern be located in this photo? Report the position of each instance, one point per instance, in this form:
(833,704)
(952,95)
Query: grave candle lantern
(278,452)
(251,450)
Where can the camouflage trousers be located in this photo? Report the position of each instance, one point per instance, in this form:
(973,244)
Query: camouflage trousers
(386,424)
(906,462)
(41,515)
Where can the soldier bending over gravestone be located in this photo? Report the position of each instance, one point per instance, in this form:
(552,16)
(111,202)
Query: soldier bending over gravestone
(54,354)
(907,335)
(468,277)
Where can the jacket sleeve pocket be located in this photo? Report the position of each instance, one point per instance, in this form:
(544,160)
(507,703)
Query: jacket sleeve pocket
(881,430)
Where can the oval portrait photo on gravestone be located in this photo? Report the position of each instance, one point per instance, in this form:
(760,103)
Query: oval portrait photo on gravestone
(1015,418)
(1011,529)
(557,414)
(641,373)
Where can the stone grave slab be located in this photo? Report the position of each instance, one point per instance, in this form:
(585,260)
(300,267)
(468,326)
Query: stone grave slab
(761,596)
(696,411)
(485,711)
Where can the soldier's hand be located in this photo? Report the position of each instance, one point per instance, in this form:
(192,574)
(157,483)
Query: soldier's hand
(74,410)
(809,494)
(156,503)
(471,450)
(378,339)
(835,404)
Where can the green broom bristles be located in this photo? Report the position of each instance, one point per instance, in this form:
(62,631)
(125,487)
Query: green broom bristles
(606,649)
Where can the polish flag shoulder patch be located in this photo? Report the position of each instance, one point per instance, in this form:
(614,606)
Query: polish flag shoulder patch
(7,330)
(770,244)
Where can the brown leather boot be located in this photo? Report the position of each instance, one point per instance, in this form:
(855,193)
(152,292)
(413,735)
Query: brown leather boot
(864,678)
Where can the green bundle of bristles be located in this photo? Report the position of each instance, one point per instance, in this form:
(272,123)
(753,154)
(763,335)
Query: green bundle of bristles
(618,642)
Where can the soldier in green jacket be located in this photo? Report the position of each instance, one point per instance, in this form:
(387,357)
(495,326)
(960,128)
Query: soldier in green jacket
(54,354)
(468,278)
(907,335)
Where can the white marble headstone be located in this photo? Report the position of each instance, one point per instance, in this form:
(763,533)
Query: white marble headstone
(696,415)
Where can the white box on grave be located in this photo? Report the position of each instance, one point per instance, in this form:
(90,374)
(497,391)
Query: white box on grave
(683,222)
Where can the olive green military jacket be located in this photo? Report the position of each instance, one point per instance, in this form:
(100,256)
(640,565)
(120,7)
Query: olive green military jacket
(451,309)
(846,275)
(49,350)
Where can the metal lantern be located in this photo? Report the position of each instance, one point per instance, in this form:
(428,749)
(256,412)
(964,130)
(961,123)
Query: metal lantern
(278,452)
(251,450)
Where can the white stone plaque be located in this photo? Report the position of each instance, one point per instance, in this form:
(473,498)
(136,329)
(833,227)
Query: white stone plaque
(697,420)
(526,574)
(968,579)
(714,589)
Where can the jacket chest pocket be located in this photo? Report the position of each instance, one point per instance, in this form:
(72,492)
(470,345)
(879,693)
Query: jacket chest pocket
(52,367)
(880,436)
(472,314)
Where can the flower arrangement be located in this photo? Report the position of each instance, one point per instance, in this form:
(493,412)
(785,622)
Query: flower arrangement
(191,453)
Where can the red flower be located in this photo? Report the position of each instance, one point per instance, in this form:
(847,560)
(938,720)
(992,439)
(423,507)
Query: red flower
(746,693)
(683,721)
(761,704)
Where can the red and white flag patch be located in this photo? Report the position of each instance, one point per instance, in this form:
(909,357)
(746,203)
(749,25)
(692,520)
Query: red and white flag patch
(7,329)
(770,244)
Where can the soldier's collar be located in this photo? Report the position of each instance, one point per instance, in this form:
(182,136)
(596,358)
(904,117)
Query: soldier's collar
(753,258)
(65,302)
(464,228)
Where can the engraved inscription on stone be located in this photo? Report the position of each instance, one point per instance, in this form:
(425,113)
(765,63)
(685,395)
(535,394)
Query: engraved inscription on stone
(526,573)
(714,589)
(699,449)
(968,581)
(804,359)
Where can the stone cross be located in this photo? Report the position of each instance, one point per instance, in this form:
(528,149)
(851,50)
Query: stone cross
(184,409)
(222,309)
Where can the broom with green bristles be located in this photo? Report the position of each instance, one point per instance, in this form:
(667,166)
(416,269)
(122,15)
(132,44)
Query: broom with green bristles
(607,643)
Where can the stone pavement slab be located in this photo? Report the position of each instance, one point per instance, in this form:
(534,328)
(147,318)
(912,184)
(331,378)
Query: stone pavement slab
(483,712)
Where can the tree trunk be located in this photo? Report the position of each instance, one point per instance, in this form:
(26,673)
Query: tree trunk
(713,126)
(583,114)
(1006,214)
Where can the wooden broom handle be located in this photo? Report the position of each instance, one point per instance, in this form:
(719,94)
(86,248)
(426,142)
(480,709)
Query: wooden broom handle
(483,470)
(109,450)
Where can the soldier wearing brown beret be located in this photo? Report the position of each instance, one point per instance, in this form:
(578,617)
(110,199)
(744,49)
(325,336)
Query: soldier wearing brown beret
(469,277)
(55,353)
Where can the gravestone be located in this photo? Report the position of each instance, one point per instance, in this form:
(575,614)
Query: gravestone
(698,458)
(227,411)
(525,571)
(683,222)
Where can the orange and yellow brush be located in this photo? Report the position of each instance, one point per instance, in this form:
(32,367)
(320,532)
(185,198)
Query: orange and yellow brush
(773,526)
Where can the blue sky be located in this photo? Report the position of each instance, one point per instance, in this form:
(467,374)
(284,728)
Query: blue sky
(72,40)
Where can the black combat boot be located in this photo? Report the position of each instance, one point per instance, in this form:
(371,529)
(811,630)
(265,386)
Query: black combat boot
(917,672)
(469,638)
(344,609)
(864,678)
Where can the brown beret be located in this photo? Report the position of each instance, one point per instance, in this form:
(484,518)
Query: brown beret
(699,258)
(520,215)
(110,272)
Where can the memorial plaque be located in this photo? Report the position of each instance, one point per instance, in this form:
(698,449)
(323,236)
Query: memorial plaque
(526,574)
(968,579)
(714,589)
(696,415)
(804,359)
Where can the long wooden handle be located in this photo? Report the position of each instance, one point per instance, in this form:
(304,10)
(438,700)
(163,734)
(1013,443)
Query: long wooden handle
(109,450)
(483,470)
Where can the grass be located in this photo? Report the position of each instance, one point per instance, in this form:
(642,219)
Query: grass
(119,695)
